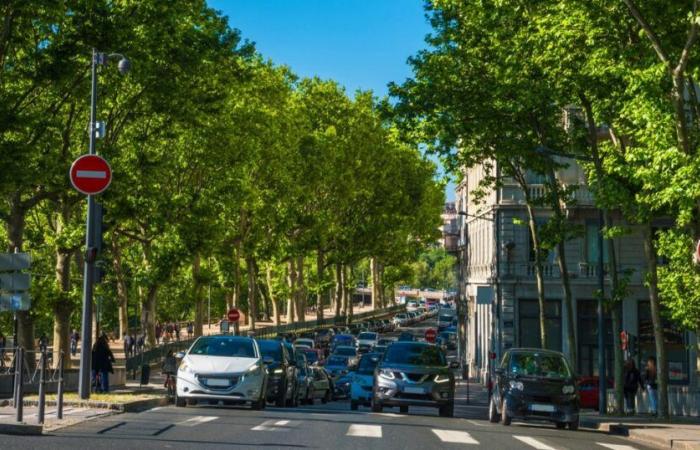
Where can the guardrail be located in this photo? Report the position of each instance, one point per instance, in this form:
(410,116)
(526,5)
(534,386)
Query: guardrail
(157,354)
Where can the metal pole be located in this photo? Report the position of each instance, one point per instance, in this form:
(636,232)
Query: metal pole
(42,387)
(602,391)
(209,307)
(19,402)
(59,389)
(89,272)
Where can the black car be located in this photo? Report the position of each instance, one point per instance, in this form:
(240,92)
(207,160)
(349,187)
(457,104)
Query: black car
(293,359)
(535,384)
(414,373)
(281,382)
(406,336)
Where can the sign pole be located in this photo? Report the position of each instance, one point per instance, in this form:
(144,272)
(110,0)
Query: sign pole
(89,272)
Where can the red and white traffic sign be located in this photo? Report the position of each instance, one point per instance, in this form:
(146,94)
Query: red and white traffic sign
(233,315)
(430,335)
(624,339)
(90,174)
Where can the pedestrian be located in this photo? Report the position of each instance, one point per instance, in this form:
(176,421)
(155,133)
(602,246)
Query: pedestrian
(650,385)
(159,332)
(140,343)
(176,329)
(102,360)
(43,342)
(632,383)
(128,345)
(74,338)
(3,345)
(190,330)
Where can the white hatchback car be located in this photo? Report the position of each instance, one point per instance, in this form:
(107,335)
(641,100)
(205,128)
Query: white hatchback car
(228,368)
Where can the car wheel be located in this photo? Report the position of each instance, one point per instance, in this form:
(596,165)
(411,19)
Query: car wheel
(191,402)
(447,410)
(403,409)
(281,398)
(326,398)
(376,406)
(561,425)
(493,413)
(180,402)
(353,405)
(505,418)
(573,426)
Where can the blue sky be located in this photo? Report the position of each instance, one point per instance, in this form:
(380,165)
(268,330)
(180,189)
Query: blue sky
(362,44)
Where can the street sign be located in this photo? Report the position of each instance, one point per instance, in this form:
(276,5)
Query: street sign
(90,174)
(10,262)
(15,281)
(624,339)
(430,335)
(15,302)
(233,315)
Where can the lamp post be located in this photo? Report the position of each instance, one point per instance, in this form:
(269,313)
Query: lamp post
(123,66)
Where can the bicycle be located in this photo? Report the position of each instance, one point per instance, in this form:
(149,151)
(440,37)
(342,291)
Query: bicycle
(170,382)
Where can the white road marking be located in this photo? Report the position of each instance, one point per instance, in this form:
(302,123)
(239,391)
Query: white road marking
(196,420)
(478,424)
(532,442)
(101,174)
(157,408)
(457,437)
(388,414)
(616,446)
(373,431)
(273,425)
(281,423)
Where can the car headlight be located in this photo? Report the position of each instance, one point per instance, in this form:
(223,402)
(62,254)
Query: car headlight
(517,385)
(185,367)
(441,378)
(253,369)
(386,373)
(568,389)
(278,371)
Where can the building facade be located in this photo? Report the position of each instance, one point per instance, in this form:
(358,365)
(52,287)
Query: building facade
(497,280)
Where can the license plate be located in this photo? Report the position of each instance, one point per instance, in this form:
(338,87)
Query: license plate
(542,408)
(217,382)
(414,390)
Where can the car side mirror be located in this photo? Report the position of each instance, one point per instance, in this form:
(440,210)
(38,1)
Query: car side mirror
(180,355)
(454,365)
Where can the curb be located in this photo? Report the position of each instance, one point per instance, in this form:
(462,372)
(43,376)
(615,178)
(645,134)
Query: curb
(22,429)
(135,406)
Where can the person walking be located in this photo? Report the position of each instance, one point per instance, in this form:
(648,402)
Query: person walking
(140,343)
(632,383)
(74,338)
(3,346)
(127,345)
(102,360)
(176,329)
(650,385)
(43,342)
(190,330)
(159,332)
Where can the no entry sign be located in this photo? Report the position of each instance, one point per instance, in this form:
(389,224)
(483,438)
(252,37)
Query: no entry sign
(233,315)
(430,335)
(90,174)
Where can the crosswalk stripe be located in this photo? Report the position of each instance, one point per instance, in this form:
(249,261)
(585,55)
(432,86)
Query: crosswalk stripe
(616,446)
(373,431)
(478,424)
(196,420)
(281,423)
(457,437)
(532,442)
(273,425)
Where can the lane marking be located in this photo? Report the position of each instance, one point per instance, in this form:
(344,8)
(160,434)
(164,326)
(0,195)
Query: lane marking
(532,442)
(196,420)
(616,446)
(101,174)
(388,414)
(371,431)
(457,437)
(281,423)
(478,424)
(272,425)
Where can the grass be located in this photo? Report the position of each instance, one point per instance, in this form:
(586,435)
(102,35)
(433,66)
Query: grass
(100,398)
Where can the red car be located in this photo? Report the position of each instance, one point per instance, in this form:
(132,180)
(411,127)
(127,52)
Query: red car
(588,391)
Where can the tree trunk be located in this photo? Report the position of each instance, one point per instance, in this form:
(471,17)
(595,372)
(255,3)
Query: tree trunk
(338,289)
(348,294)
(197,296)
(252,301)
(321,290)
(652,281)
(291,283)
(148,313)
(15,235)
(237,283)
(273,297)
(62,307)
(382,288)
(301,291)
(376,288)
(539,277)
(122,291)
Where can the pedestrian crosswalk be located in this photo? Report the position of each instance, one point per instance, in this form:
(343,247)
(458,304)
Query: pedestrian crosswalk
(447,436)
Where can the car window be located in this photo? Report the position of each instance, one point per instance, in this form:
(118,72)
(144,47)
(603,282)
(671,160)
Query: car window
(367,364)
(415,354)
(367,336)
(337,361)
(231,347)
(541,365)
(346,351)
(271,349)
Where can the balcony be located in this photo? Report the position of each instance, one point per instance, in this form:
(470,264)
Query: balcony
(512,194)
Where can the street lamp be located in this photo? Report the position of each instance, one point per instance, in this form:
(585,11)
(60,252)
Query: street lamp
(98,58)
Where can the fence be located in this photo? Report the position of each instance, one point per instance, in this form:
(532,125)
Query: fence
(157,354)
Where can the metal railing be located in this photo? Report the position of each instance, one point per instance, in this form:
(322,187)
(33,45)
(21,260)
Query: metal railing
(28,372)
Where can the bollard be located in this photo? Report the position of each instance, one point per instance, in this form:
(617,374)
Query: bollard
(42,387)
(20,395)
(59,389)
(15,365)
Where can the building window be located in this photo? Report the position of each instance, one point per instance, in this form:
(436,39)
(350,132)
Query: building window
(592,245)
(529,323)
(587,320)
(676,352)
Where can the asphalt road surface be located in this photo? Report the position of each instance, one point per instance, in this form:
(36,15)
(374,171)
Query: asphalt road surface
(330,426)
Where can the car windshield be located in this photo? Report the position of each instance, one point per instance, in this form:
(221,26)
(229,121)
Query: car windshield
(271,349)
(345,351)
(416,354)
(445,317)
(539,365)
(367,364)
(311,357)
(368,336)
(218,346)
(343,339)
(337,361)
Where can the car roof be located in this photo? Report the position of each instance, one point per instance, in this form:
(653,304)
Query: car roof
(533,350)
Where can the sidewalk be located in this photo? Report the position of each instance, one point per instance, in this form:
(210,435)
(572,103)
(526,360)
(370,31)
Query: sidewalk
(679,433)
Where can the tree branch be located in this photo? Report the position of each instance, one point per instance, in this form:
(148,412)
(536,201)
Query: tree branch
(647,30)
(692,37)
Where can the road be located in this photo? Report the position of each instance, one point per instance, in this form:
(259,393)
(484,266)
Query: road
(330,426)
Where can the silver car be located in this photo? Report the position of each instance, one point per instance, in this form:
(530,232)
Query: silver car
(414,373)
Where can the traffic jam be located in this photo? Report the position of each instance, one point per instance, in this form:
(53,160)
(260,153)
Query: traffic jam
(376,364)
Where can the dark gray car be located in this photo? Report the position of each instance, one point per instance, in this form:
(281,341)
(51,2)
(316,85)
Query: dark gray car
(414,373)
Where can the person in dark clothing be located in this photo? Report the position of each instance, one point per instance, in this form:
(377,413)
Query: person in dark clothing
(140,342)
(102,359)
(128,345)
(43,342)
(632,383)
(649,383)
(74,338)
(190,330)
(3,345)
